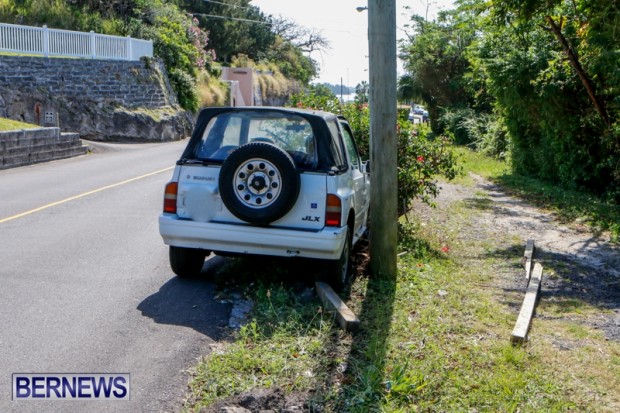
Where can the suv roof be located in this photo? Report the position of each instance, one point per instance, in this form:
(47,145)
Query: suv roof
(303,112)
(328,148)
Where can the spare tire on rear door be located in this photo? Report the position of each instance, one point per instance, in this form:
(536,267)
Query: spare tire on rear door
(259,183)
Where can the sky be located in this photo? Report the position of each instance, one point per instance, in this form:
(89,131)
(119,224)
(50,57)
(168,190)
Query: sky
(346,30)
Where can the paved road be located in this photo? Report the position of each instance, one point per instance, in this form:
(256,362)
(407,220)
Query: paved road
(85,282)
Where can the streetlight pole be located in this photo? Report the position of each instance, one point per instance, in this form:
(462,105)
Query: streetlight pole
(383,142)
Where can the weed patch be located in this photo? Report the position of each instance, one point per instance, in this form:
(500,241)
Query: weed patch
(12,125)
(283,346)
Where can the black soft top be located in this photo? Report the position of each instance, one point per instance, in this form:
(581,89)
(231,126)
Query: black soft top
(329,148)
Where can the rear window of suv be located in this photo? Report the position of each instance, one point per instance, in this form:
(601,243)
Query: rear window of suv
(228,131)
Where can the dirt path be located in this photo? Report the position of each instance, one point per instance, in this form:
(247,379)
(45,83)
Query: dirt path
(580,266)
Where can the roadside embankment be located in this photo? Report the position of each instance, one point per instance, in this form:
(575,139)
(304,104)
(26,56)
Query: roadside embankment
(99,99)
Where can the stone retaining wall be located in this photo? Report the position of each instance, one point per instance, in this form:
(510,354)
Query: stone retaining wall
(29,146)
(127,83)
(101,100)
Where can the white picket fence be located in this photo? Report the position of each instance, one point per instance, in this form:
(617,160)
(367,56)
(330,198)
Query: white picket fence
(54,42)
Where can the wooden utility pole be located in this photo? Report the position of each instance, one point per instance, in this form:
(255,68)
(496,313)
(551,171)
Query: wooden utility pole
(383,144)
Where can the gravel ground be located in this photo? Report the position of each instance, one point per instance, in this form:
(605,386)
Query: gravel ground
(579,265)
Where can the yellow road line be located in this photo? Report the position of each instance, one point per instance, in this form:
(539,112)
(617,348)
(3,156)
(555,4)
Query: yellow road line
(103,188)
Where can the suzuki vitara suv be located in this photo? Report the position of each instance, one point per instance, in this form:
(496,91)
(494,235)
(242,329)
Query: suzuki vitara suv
(267,181)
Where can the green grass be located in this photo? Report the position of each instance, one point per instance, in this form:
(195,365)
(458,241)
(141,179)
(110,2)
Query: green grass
(10,125)
(289,343)
(157,114)
(479,164)
(568,205)
(3,53)
(284,345)
(22,54)
(436,340)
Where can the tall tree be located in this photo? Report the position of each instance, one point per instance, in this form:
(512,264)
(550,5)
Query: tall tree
(307,39)
(546,72)
(235,27)
(557,16)
(557,60)
(435,57)
(361,92)
(238,28)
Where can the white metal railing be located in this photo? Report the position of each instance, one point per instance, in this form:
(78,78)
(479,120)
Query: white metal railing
(54,42)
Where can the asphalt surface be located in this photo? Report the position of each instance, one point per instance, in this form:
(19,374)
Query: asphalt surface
(85,281)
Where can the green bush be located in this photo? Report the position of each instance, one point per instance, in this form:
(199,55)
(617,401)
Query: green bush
(483,132)
(556,132)
(180,43)
(402,113)
(420,158)
(455,122)
(359,119)
(177,39)
(495,141)
(185,86)
(310,99)
(292,62)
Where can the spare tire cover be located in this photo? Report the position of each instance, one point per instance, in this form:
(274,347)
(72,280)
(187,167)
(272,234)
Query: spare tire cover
(259,183)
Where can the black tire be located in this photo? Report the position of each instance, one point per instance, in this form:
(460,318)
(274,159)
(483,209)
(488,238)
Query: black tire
(339,271)
(187,262)
(259,183)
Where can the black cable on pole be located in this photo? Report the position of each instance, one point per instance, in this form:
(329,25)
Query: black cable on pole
(226,4)
(231,18)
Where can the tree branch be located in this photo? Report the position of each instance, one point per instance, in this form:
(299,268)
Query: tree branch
(574,61)
(306,39)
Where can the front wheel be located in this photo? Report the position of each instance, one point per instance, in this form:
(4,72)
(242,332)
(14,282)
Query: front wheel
(339,271)
(187,262)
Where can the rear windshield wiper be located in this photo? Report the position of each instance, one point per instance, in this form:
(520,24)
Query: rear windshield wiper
(184,161)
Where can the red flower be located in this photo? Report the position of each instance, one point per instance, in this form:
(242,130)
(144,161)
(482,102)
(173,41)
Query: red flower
(445,249)
(420,159)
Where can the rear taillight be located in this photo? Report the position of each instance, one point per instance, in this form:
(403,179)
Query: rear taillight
(333,211)
(170,197)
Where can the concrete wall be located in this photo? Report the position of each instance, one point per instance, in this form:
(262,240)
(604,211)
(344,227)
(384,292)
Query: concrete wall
(29,146)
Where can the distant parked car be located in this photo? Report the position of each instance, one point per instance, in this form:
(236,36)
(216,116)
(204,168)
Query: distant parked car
(267,181)
(411,115)
(425,115)
(418,110)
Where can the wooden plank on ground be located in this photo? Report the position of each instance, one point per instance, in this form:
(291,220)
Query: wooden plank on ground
(332,302)
(519,333)
(528,256)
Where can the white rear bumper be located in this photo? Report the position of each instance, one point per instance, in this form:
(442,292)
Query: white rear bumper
(242,239)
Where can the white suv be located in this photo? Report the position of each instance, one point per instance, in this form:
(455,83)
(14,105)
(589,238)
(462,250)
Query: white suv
(268,181)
